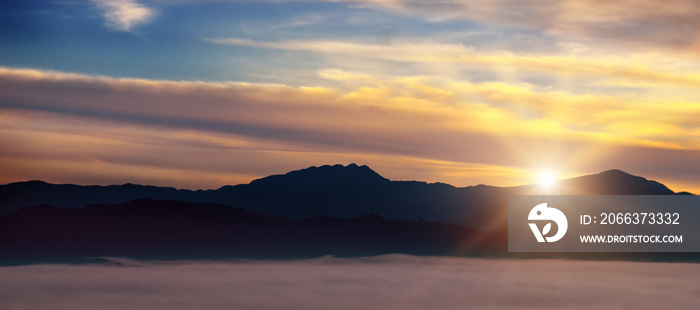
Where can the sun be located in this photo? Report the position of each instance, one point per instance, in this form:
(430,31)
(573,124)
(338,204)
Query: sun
(546,179)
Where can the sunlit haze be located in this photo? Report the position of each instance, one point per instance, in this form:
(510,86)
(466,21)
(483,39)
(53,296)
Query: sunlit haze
(546,180)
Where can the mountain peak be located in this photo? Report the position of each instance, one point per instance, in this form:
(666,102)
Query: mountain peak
(617,182)
(616,172)
(338,173)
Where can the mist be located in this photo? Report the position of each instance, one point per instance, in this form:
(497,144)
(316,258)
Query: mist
(382,282)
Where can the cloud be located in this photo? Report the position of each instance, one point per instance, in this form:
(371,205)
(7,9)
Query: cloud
(648,70)
(648,24)
(383,282)
(398,51)
(161,132)
(305,20)
(124,15)
(342,75)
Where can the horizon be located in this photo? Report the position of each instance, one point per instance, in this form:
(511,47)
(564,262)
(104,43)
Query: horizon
(202,94)
(549,186)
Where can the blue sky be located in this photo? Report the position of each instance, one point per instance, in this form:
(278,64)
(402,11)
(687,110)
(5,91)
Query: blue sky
(170,43)
(456,91)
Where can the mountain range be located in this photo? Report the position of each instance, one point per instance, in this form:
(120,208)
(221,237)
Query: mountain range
(338,191)
(328,210)
(154,229)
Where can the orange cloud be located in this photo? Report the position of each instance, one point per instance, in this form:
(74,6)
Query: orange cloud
(437,129)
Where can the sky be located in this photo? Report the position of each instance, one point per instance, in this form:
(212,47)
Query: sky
(201,94)
(382,282)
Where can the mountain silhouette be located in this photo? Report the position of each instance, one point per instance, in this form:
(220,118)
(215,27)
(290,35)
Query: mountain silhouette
(153,229)
(328,210)
(147,229)
(611,182)
(335,191)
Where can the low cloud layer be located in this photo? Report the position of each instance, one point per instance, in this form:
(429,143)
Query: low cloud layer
(384,282)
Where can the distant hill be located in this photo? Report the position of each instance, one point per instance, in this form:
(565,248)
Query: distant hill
(336,191)
(611,182)
(152,229)
(147,229)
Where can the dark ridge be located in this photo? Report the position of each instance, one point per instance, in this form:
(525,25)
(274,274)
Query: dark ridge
(337,191)
(154,229)
(336,174)
(618,182)
(147,229)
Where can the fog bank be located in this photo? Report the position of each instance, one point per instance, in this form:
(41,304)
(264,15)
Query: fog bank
(382,282)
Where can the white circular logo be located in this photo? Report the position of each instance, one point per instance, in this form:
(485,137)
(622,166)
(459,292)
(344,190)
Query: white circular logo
(542,213)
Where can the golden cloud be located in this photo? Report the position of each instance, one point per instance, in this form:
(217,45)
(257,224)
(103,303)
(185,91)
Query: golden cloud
(450,131)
